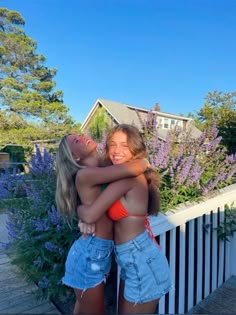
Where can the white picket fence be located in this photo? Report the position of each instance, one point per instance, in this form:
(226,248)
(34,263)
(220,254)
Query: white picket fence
(199,261)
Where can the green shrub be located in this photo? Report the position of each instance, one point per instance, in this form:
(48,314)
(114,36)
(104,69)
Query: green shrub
(39,237)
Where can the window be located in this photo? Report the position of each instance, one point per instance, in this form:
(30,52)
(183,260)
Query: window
(166,123)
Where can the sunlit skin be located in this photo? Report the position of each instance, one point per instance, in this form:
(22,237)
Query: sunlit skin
(133,193)
(88,182)
(119,151)
(81,146)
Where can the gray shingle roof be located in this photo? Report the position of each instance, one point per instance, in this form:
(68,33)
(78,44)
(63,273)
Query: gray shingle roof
(124,113)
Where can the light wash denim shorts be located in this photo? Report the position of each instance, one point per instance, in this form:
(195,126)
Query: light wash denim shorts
(88,262)
(144,269)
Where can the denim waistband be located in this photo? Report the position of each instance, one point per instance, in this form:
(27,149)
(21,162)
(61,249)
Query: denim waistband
(97,241)
(137,241)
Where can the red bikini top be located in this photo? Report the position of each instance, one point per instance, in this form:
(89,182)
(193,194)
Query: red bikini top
(117,211)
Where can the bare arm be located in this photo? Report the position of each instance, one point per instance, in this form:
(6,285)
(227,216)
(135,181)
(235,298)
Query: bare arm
(114,191)
(98,175)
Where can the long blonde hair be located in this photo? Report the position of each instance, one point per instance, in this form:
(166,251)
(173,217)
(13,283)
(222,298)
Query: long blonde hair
(138,149)
(67,197)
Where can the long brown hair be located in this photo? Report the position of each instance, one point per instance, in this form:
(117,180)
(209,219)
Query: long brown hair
(138,149)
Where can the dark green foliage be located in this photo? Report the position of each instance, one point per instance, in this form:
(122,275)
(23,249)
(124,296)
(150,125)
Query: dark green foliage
(227,228)
(30,107)
(221,109)
(100,124)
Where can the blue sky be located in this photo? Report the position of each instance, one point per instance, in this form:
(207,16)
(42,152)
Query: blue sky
(139,52)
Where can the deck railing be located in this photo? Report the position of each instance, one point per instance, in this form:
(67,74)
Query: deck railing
(199,261)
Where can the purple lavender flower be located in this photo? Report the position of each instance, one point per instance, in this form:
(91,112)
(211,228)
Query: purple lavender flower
(43,282)
(212,144)
(162,156)
(41,225)
(176,161)
(41,163)
(10,183)
(195,172)
(50,246)
(231,158)
(54,216)
(211,185)
(53,248)
(187,163)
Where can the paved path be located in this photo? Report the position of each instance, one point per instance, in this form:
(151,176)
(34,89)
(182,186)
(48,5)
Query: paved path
(16,295)
(3,229)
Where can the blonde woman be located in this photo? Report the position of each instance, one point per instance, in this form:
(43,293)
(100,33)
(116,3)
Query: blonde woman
(79,180)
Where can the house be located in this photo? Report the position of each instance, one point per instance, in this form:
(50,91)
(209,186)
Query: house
(123,113)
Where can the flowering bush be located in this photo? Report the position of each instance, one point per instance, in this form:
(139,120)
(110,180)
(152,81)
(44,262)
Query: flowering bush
(40,239)
(190,168)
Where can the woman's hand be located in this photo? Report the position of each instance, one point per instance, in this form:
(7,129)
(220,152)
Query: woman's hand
(86,229)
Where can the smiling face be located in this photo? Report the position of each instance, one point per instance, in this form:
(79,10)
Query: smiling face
(81,146)
(118,148)
(124,142)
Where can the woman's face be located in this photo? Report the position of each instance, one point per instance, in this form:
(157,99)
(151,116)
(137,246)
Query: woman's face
(81,146)
(118,149)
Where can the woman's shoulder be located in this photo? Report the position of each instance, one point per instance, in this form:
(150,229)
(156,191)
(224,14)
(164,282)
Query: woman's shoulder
(81,175)
(138,181)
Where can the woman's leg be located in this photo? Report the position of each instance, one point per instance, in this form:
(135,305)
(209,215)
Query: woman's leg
(126,307)
(76,307)
(90,301)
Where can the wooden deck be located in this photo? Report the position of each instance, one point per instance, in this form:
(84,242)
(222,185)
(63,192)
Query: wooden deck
(16,295)
(221,301)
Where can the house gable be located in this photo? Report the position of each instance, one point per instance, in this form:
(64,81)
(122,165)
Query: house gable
(119,113)
(123,113)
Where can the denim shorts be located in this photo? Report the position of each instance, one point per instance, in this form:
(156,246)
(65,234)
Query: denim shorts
(88,262)
(144,269)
